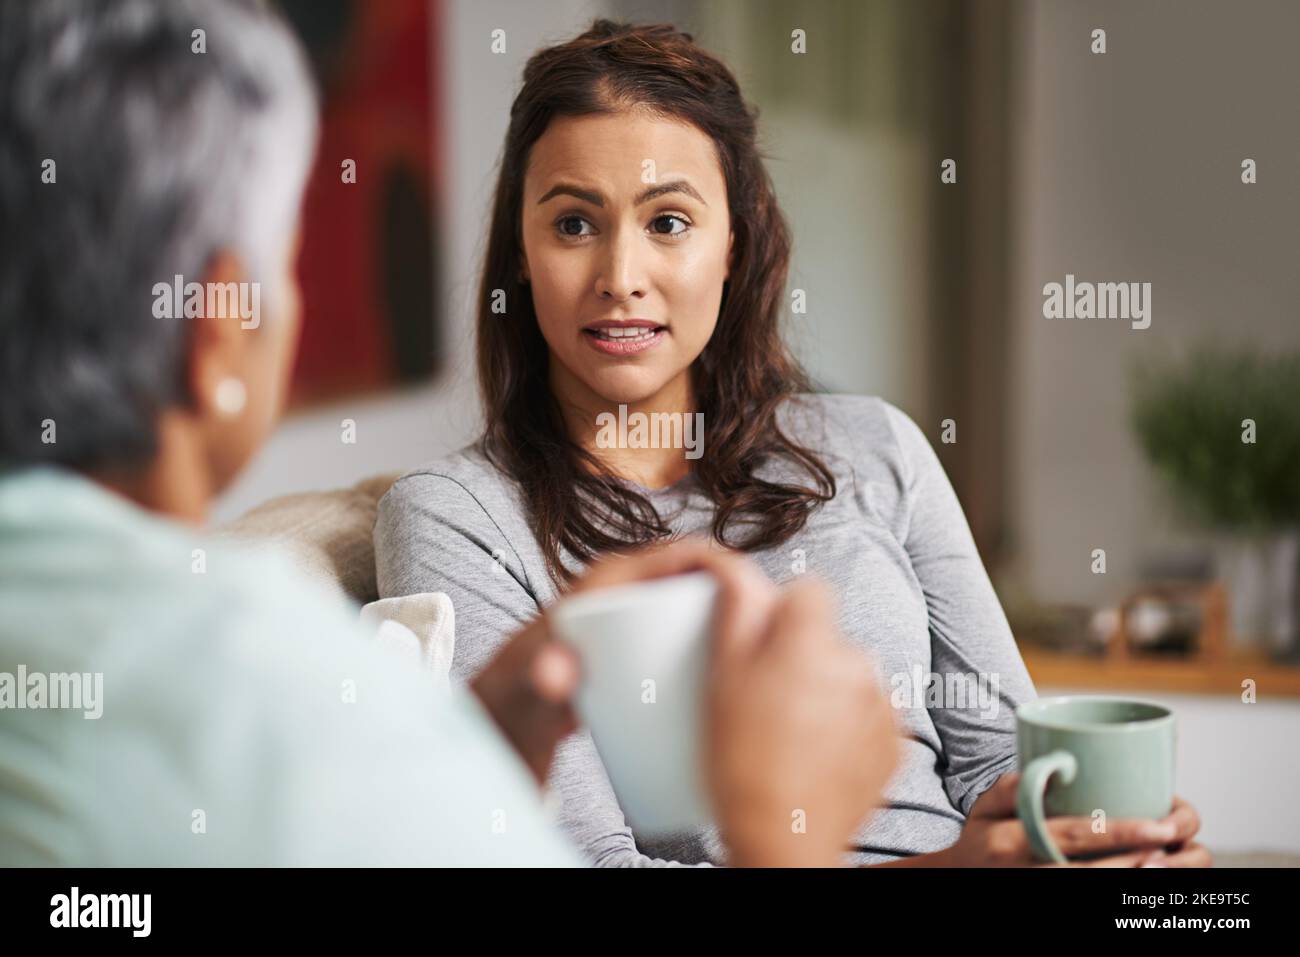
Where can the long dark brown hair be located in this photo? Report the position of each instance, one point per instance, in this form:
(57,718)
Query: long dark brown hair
(576,503)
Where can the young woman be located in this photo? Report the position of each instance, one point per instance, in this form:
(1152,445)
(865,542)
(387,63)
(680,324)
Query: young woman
(636,266)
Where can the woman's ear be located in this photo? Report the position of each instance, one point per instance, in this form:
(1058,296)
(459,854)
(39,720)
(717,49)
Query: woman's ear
(220,343)
(233,368)
(731,242)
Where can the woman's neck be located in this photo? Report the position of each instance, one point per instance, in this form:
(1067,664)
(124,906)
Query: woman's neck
(622,436)
(174,483)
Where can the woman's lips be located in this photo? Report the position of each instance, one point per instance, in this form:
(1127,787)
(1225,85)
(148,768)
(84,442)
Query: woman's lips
(624,340)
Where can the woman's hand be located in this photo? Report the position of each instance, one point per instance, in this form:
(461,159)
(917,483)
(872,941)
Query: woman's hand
(995,837)
(799,736)
(801,740)
(528,689)
(528,686)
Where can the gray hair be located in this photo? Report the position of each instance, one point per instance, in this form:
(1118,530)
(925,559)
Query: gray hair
(163,156)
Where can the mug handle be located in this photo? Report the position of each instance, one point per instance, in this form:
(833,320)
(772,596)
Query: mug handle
(1029,801)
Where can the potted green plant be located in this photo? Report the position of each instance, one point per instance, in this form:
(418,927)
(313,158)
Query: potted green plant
(1223,428)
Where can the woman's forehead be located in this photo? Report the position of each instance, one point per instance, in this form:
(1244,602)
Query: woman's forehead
(619,154)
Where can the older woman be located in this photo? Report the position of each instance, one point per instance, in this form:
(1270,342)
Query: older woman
(165,700)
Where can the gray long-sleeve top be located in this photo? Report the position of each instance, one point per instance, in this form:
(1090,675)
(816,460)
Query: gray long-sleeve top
(896,549)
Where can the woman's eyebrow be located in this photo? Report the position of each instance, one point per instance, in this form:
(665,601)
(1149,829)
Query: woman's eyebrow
(596,199)
(675,186)
(568,189)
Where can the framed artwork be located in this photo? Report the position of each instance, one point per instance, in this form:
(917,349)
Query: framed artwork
(369,260)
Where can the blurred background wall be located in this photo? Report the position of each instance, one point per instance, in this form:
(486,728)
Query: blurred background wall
(1122,166)
(1128,166)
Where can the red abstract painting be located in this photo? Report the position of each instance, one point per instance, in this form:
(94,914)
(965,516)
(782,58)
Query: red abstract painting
(369,257)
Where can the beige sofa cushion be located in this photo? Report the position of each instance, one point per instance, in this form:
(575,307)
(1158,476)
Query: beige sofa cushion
(327,535)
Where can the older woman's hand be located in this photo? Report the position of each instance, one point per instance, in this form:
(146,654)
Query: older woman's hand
(796,722)
(995,837)
(528,687)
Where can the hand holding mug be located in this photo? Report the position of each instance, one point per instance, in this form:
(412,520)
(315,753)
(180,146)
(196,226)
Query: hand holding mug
(801,737)
(529,685)
(995,837)
(772,722)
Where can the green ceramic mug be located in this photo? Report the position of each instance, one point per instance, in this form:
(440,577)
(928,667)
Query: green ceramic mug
(1083,753)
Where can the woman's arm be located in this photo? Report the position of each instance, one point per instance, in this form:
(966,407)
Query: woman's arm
(971,646)
(434,534)
(970,638)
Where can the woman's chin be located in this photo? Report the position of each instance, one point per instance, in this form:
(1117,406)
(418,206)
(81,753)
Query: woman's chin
(627,387)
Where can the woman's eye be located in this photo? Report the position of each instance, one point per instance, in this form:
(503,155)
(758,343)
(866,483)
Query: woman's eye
(573,226)
(668,225)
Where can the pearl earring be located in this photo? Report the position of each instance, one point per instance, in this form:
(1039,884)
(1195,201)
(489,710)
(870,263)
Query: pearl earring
(231,397)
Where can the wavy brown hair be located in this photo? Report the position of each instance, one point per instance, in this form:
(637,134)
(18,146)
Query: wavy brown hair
(576,503)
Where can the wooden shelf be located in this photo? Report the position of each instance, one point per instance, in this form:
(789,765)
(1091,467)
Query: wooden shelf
(1216,667)
(1135,672)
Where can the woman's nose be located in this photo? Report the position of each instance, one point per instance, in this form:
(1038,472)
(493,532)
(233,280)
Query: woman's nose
(622,272)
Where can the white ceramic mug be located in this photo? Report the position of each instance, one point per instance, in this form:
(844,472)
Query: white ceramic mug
(644,650)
